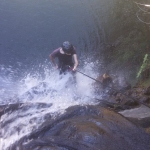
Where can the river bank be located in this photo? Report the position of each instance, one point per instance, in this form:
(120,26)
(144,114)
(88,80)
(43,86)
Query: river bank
(127,39)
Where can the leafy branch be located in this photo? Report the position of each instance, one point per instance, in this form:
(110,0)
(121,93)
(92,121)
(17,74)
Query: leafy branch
(145,62)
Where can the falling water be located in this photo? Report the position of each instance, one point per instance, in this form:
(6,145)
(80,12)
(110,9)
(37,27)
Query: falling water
(41,94)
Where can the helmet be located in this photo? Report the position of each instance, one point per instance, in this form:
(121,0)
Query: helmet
(67,47)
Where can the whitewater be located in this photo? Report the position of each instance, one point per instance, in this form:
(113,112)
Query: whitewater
(41,94)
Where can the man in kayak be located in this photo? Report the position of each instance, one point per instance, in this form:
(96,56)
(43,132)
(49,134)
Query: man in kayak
(67,57)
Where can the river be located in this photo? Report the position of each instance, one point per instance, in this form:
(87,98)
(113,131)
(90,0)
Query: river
(30,31)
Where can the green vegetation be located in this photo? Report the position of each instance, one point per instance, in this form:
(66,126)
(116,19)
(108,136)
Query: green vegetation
(145,83)
(144,65)
(129,38)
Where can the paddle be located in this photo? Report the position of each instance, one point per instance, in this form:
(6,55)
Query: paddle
(115,90)
(89,76)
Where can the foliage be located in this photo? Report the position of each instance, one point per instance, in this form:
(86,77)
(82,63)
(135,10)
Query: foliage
(127,54)
(144,65)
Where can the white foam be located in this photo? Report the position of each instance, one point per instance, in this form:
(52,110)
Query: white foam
(48,89)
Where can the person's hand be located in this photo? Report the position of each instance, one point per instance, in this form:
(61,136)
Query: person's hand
(74,69)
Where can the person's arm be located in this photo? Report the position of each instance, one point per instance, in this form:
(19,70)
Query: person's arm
(75,62)
(53,61)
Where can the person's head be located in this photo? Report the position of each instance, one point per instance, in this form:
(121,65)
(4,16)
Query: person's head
(67,47)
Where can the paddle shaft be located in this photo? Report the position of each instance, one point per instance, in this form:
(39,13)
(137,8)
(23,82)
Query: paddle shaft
(113,89)
(89,76)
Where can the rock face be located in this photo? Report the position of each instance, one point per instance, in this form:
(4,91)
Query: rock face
(134,104)
(139,115)
(147,91)
(121,121)
(85,128)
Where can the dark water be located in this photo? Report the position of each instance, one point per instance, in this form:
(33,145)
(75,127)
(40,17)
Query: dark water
(31,29)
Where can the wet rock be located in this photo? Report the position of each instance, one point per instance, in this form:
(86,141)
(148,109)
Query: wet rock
(140,115)
(145,99)
(9,108)
(145,73)
(147,91)
(86,128)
